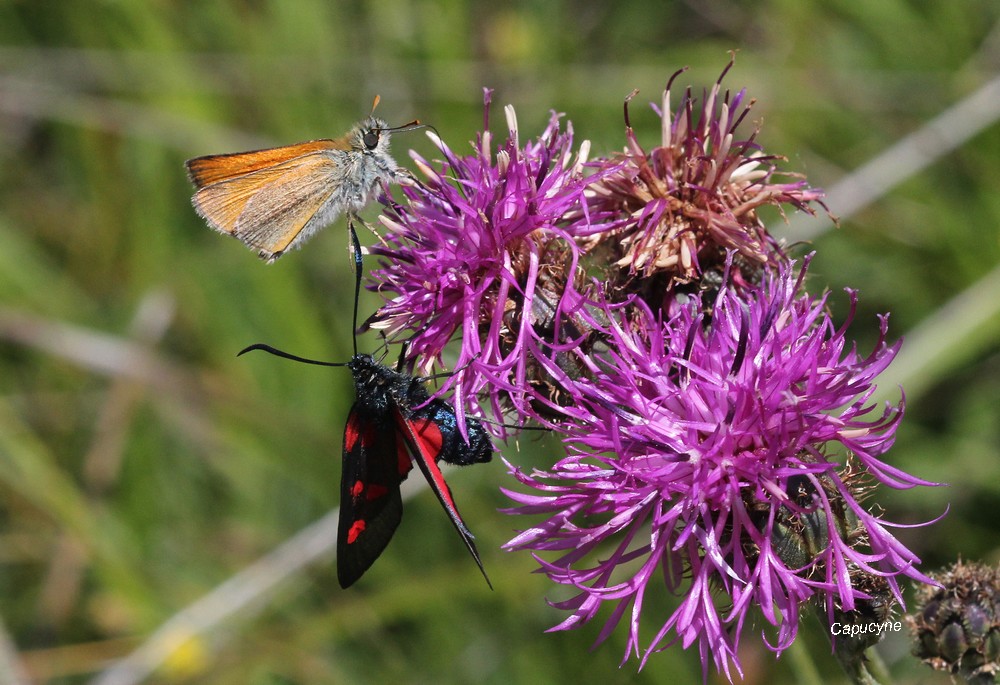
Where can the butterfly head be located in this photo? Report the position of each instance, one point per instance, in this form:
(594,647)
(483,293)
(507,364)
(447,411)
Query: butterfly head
(370,136)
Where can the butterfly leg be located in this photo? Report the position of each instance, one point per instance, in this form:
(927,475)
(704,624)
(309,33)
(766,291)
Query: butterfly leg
(353,216)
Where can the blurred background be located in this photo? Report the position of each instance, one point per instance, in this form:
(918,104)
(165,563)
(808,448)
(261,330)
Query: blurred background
(142,465)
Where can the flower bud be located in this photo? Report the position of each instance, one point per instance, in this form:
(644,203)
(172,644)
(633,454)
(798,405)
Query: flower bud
(956,627)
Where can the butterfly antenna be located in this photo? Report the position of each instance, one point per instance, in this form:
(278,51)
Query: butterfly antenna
(414,125)
(358,264)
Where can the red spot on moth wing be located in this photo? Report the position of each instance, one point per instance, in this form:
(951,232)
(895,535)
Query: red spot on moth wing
(428,434)
(356,430)
(357,528)
(424,439)
(375,491)
(441,485)
(370,504)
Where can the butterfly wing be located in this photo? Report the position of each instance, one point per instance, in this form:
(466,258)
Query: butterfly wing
(375,463)
(204,171)
(421,433)
(268,198)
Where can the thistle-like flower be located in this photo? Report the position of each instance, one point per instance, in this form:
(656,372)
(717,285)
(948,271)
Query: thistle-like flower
(522,248)
(719,433)
(487,246)
(696,195)
(699,457)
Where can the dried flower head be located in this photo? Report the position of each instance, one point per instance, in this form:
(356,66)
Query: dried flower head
(694,197)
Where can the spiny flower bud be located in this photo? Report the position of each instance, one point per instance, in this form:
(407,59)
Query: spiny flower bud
(957,626)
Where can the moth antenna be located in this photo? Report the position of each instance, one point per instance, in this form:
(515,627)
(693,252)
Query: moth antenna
(287,355)
(378,98)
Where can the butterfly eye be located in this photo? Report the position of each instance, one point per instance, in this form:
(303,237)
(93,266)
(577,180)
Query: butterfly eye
(371,139)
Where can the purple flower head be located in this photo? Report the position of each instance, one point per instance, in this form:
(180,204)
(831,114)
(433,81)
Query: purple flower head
(518,251)
(708,458)
(720,433)
(486,247)
(695,197)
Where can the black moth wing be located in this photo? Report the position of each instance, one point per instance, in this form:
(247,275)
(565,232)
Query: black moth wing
(375,463)
(431,434)
(393,423)
(454,449)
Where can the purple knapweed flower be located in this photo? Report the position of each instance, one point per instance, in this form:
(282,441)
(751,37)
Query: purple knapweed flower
(512,250)
(486,246)
(703,460)
(718,428)
(695,197)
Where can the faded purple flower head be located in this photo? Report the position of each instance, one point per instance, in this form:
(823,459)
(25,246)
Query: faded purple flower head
(696,195)
(699,455)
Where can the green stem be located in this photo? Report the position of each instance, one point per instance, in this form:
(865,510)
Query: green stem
(803,665)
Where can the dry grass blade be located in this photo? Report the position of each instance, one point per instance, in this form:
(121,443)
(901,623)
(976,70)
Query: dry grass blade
(909,156)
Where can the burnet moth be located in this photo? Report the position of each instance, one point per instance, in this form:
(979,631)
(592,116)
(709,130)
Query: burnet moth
(393,424)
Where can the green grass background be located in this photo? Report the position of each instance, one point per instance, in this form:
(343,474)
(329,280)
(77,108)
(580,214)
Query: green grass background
(131,484)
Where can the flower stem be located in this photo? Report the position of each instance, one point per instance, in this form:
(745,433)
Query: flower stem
(858,669)
(803,665)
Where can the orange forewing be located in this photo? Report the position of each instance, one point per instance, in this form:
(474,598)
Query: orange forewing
(214,168)
(267,207)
